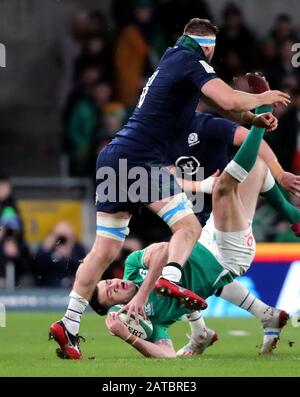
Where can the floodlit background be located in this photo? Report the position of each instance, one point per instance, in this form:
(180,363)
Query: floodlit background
(74,70)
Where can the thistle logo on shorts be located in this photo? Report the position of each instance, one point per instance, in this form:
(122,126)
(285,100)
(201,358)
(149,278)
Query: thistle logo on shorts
(193,139)
(188,165)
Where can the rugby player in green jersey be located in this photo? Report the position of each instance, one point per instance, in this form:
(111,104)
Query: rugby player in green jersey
(224,251)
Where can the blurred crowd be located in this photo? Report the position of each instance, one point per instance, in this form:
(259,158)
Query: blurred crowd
(53,262)
(105,65)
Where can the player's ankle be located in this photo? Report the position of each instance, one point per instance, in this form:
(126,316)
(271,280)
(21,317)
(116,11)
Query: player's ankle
(172,272)
(70,327)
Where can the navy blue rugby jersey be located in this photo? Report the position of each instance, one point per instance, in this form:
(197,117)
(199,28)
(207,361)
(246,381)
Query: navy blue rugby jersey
(167,103)
(205,143)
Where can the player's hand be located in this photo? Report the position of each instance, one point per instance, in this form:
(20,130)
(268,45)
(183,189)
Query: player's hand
(115,326)
(274,97)
(290,182)
(136,307)
(208,184)
(265,120)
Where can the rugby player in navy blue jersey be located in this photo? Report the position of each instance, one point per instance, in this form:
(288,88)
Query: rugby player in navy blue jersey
(164,110)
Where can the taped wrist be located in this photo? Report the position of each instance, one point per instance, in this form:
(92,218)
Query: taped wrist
(131,339)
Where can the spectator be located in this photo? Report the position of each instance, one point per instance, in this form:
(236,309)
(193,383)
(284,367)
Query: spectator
(14,250)
(95,52)
(58,257)
(137,53)
(88,77)
(267,56)
(98,24)
(283,30)
(235,43)
(71,48)
(113,114)
(9,213)
(122,12)
(84,122)
(283,67)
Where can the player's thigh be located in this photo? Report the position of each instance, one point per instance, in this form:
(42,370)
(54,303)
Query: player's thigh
(251,187)
(228,209)
(112,230)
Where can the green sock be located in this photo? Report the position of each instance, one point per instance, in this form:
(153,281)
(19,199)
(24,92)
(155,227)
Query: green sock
(276,198)
(264,109)
(248,152)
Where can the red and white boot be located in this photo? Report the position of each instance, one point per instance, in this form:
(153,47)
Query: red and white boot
(68,343)
(187,298)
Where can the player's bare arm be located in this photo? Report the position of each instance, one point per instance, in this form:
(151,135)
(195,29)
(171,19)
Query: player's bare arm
(266,120)
(229,99)
(162,348)
(205,186)
(154,259)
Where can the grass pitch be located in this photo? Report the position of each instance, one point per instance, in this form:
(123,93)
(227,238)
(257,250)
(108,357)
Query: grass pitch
(25,351)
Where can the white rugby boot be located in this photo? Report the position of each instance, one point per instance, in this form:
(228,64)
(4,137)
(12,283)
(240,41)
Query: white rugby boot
(198,344)
(272,326)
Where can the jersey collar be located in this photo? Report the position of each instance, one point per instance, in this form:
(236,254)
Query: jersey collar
(191,44)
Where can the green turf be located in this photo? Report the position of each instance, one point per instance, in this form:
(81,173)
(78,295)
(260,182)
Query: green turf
(25,351)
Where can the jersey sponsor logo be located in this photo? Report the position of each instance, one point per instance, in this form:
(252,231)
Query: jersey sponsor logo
(134,331)
(187,165)
(193,139)
(207,67)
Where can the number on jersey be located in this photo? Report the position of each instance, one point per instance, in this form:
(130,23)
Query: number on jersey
(146,88)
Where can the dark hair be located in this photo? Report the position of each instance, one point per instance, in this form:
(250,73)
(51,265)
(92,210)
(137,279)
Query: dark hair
(283,18)
(96,305)
(4,177)
(231,9)
(200,27)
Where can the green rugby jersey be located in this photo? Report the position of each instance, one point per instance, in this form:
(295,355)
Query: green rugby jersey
(202,274)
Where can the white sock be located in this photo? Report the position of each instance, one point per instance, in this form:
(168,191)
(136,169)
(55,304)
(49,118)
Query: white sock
(172,273)
(238,294)
(269,182)
(197,323)
(76,307)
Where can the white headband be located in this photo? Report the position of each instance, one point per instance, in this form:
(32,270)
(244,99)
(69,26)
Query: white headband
(205,41)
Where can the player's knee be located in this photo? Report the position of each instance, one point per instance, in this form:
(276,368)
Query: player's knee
(224,187)
(190,226)
(103,257)
(261,167)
